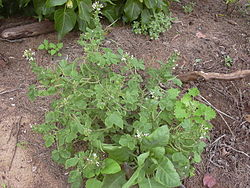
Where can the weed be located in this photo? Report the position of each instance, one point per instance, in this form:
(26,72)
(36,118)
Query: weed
(118,128)
(228,61)
(189,7)
(51,48)
(159,23)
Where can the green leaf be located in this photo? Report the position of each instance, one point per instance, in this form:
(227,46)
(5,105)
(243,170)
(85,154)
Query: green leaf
(114,119)
(49,140)
(141,158)
(74,176)
(53,3)
(167,175)
(133,179)
(71,162)
(158,152)
(84,7)
(114,180)
(193,92)
(117,153)
(158,138)
(196,158)
(173,93)
(65,20)
(52,52)
(150,4)
(145,16)
(41,47)
(110,166)
(128,141)
(132,9)
(150,183)
(93,183)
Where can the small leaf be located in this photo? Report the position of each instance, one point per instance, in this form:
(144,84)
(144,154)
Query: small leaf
(52,52)
(41,47)
(209,181)
(128,141)
(49,140)
(114,119)
(141,158)
(93,183)
(71,162)
(110,166)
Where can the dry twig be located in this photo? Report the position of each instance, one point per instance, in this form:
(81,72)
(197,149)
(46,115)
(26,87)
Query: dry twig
(17,134)
(238,151)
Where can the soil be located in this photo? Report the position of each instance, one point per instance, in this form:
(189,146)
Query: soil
(204,38)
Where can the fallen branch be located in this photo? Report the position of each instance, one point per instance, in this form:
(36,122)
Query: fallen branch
(28,30)
(193,76)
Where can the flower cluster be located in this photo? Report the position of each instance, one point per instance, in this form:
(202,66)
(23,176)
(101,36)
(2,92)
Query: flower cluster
(140,134)
(97,6)
(29,55)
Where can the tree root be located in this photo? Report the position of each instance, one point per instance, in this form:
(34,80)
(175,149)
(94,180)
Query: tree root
(196,75)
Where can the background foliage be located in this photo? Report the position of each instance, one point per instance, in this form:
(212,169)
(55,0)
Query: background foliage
(68,14)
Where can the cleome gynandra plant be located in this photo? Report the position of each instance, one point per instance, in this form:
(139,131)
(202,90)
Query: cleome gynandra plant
(115,123)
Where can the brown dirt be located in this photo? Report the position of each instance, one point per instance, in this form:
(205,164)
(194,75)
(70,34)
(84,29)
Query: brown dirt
(209,33)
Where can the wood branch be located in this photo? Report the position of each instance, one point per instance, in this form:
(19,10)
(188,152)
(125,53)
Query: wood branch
(193,76)
(28,30)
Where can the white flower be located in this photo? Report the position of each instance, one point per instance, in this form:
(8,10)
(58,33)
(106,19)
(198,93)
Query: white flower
(97,6)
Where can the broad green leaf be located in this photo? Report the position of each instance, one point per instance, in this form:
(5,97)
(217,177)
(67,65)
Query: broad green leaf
(93,183)
(132,9)
(133,179)
(117,153)
(65,20)
(150,4)
(114,180)
(114,119)
(145,16)
(53,3)
(141,158)
(158,138)
(112,12)
(84,7)
(71,162)
(150,183)
(127,141)
(110,166)
(65,154)
(167,175)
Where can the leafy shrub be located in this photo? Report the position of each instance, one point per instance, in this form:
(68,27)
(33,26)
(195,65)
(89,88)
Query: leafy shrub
(118,124)
(69,13)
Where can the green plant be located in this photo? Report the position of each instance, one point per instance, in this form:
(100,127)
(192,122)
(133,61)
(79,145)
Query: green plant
(157,24)
(115,126)
(228,61)
(51,47)
(189,7)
